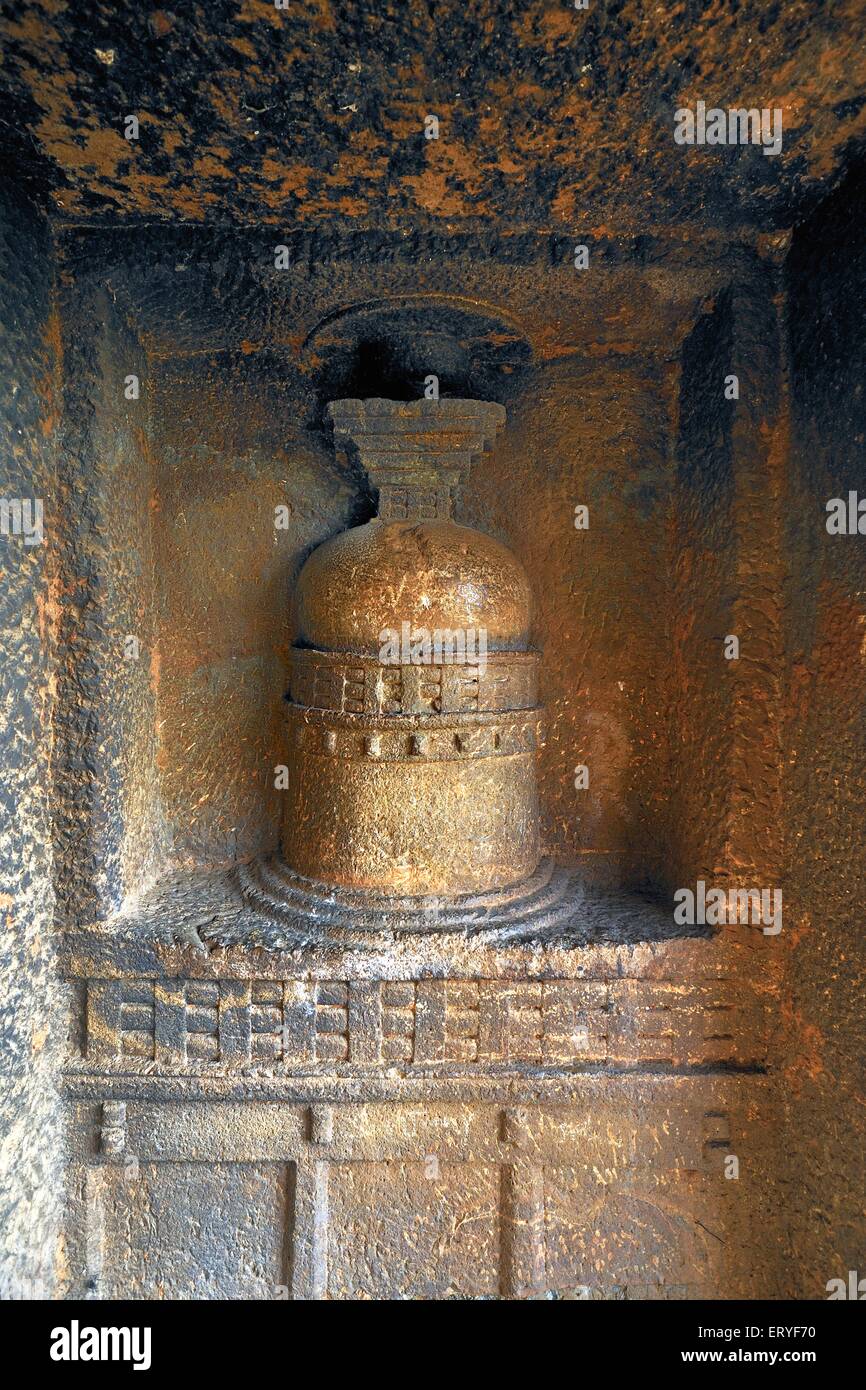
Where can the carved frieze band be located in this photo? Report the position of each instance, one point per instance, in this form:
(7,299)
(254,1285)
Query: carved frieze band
(361,685)
(408,503)
(302,1023)
(408,738)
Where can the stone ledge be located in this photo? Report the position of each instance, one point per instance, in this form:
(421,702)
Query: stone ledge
(263,916)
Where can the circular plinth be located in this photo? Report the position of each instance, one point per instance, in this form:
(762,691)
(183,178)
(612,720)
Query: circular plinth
(316,912)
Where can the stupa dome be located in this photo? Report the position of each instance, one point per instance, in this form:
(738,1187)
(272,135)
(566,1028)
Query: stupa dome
(430,574)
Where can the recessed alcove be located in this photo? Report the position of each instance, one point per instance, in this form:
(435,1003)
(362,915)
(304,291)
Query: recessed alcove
(226,432)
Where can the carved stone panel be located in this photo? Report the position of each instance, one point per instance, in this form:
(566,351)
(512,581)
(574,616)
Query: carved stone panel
(414,1230)
(194,1230)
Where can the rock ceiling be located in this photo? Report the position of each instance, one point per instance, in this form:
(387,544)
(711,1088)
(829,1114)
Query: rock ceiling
(549,117)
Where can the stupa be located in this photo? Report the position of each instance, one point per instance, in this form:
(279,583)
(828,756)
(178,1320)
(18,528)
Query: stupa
(413,712)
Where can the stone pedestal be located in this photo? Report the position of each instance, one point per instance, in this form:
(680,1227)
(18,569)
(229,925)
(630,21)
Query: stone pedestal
(481,1113)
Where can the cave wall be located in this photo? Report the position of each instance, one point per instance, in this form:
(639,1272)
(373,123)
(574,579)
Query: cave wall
(32,1011)
(229,448)
(108,822)
(825,805)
